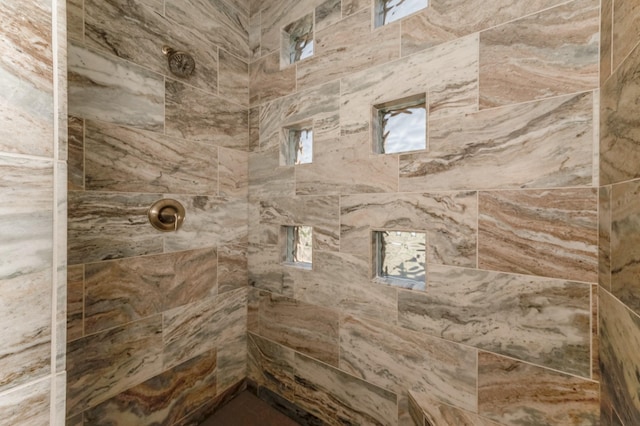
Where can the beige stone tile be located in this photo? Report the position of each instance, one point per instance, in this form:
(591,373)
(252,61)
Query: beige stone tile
(233,173)
(105,364)
(266,271)
(539,320)
(449,220)
(271,365)
(595,338)
(277,14)
(75,302)
(542,144)
(232,267)
(519,61)
(254,129)
(27,405)
(234,79)
(76,154)
(75,19)
(268,82)
(435,412)
(254,36)
(619,133)
(130,160)
(606,40)
(410,361)
(327,14)
(347,47)
(626,29)
(199,116)
(349,7)
(230,335)
(551,233)
(269,179)
(513,392)
(339,398)
(604,237)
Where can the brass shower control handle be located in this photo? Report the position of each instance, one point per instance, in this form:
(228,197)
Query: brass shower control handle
(166,215)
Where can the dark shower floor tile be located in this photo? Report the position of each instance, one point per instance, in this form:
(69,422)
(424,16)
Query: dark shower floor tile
(247,410)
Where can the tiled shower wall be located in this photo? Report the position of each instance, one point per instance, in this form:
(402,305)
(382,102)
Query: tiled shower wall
(157,321)
(506,192)
(33,168)
(620,212)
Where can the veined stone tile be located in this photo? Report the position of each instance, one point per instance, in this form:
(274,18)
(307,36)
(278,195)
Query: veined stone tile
(606,40)
(619,357)
(133,31)
(76,154)
(308,329)
(196,115)
(254,36)
(254,129)
(268,82)
(275,15)
(121,291)
(342,281)
(230,334)
(539,320)
(232,267)
(163,399)
(233,173)
(619,123)
(77,420)
(106,88)
(435,413)
(26,79)
(234,79)
(105,364)
(544,144)
(327,14)
(219,23)
(75,19)
(339,398)
(443,20)
(26,268)
(595,335)
(60,75)
(108,225)
(59,304)
(266,271)
(551,233)
(271,365)
(349,7)
(241,6)
(515,393)
(28,405)
(253,309)
(267,178)
(75,302)
(447,73)
(130,160)
(604,237)
(320,212)
(209,221)
(519,61)
(346,47)
(625,237)
(626,32)
(409,361)
(449,220)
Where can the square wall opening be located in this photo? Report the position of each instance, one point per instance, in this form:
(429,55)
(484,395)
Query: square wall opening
(297,41)
(400,125)
(297,246)
(399,258)
(387,11)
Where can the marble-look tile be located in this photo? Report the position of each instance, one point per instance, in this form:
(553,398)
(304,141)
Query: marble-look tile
(29,405)
(232,267)
(254,129)
(58,413)
(211,405)
(130,160)
(541,144)
(625,236)
(26,79)
(121,291)
(254,36)
(516,393)
(131,30)
(199,116)
(109,225)
(595,335)
(288,408)
(230,334)
(75,302)
(209,221)
(110,89)
(308,329)
(234,79)
(346,47)
(268,82)
(448,74)
(75,19)
(267,178)
(519,62)
(320,212)
(26,267)
(445,20)
(59,300)
(399,360)
(327,14)
(339,398)
(539,320)
(604,237)
(619,123)
(342,281)
(551,233)
(606,40)
(105,364)
(163,399)
(76,154)
(349,7)
(435,413)
(271,365)
(219,23)
(266,271)
(60,78)
(449,220)
(233,173)
(253,310)
(278,13)
(77,420)
(626,29)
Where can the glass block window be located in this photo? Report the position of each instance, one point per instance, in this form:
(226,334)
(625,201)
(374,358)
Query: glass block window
(388,11)
(400,258)
(299,145)
(401,125)
(298,245)
(297,40)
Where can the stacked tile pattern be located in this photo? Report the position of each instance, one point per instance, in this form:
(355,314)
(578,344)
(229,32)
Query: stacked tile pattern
(506,192)
(33,169)
(157,321)
(619,230)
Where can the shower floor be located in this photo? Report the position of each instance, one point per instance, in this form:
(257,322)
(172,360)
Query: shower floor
(247,410)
